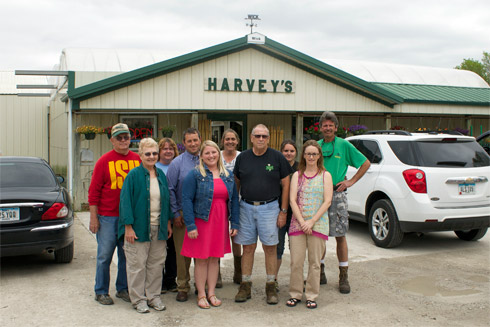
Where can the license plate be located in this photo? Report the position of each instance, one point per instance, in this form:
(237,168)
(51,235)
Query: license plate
(466,189)
(9,214)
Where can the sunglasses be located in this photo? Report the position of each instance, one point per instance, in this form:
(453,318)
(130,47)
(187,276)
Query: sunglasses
(260,136)
(123,138)
(147,154)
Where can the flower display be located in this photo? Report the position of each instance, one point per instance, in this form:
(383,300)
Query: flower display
(436,130)
(88,129)
(313,129)
(358,129)
(462,130)
(342,132)
(180,148)
(398,128)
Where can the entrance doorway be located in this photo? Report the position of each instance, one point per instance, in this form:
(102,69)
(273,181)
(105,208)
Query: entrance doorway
(221,122)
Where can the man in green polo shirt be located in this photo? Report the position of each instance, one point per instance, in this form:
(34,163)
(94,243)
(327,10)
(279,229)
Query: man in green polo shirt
(338,154)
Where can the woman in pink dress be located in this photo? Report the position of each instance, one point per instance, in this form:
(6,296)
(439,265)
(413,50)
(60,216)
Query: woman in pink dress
(210,199)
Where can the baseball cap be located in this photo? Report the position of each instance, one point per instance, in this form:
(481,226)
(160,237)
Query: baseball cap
(119,128)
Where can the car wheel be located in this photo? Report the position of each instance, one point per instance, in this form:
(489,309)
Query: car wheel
(383,224)
(471,235)
(64,255)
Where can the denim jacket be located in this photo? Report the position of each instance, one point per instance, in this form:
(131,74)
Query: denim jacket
(197,196)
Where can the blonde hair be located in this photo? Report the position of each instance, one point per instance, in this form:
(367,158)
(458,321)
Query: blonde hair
(221,167)
(147,143)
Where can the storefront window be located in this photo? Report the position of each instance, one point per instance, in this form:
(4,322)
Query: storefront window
(140,127)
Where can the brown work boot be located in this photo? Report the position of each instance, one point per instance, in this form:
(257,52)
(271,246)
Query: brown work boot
(344,286)
(270,293)
(323,277)
(219,282)
(237,275)
(244,292)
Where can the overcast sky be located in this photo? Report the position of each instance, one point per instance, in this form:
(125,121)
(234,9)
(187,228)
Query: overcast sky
(427,33)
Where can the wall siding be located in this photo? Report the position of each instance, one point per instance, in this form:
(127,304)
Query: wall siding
(184,89)
(23,126)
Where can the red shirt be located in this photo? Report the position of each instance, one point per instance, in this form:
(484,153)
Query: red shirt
(107,180)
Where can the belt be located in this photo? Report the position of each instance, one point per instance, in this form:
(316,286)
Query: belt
(335,187)
(259,203)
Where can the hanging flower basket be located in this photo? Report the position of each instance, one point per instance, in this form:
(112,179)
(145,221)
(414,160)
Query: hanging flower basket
(358,129)
(313,131)
(88,131)
(167,131)
(107,131)
(342,132)
(89,136)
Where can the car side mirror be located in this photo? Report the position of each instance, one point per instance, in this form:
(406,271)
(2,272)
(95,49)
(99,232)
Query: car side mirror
(61,179)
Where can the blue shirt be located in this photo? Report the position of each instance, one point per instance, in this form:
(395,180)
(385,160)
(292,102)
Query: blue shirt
(176,173)
(162,167)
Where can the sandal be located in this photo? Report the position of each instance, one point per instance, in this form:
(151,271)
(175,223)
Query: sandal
(292,302)
(311,304)
(203,303)
(214,301)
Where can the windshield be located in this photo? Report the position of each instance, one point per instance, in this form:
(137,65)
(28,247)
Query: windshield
(441,153)
(26,174)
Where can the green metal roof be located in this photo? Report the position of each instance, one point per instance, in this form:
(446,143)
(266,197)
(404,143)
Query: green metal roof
(439,94)
(270,47)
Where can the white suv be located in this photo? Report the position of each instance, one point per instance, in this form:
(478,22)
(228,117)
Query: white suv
(421,182)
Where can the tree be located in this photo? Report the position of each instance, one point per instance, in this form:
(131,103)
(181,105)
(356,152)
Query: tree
(481,68)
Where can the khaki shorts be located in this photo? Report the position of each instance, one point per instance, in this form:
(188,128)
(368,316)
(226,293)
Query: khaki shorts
(338,216)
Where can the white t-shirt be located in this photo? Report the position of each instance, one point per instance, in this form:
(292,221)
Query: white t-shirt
(229,165)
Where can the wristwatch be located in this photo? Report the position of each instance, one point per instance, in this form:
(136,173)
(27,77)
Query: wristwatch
(284,210)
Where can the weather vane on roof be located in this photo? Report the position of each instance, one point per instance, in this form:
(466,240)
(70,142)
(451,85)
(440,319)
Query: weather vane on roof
(252,24)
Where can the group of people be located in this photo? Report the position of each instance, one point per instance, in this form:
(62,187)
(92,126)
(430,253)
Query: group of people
(204,198)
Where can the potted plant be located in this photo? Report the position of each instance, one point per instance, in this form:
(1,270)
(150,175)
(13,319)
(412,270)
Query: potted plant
(107,131)
(89,131)
(462,130)
(167,131)
(397,128)
(358,129)
(342,132)
(313,131)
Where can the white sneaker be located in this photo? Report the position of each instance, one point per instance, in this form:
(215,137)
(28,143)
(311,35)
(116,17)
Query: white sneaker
(142,307)
(158,305)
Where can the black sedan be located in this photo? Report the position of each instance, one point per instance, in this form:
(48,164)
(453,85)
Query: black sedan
(36,214)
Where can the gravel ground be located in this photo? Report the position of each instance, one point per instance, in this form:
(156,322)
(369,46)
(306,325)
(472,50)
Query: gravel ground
(430,280)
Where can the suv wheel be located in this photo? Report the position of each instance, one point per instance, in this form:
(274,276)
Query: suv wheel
(471,235)
(383,224)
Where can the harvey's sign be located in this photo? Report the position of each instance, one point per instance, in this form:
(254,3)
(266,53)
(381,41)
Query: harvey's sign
(248,85)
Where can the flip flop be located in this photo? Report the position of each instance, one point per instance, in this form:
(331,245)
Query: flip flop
(311,304)
(292,302)
(214,301)
(203,303)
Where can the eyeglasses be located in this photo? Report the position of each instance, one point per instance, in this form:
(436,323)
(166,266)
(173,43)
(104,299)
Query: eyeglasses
(261,136)
(311,154)
(147,154)
(121,138)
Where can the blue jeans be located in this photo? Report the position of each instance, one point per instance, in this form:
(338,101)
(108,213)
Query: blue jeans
(106,244)
(282,238)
